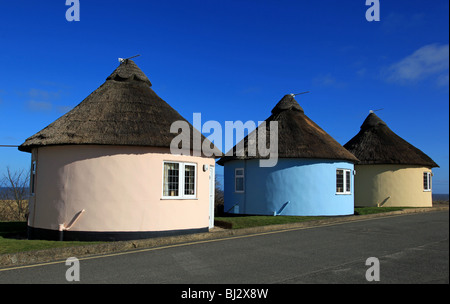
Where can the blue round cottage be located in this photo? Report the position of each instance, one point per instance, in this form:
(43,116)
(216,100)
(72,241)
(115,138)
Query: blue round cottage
(313,175)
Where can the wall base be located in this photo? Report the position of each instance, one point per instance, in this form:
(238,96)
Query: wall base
(99,236)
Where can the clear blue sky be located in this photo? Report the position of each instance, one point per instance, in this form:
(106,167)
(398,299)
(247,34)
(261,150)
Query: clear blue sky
(234,60)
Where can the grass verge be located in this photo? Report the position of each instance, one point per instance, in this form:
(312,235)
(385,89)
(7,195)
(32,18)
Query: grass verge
(13,239)
(373,210)
(238,222)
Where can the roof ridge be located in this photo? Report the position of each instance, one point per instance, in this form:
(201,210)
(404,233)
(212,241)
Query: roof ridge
(288,102)
(372,121)
(129,71)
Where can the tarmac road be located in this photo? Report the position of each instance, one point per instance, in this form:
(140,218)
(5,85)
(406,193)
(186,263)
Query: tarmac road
(410,248)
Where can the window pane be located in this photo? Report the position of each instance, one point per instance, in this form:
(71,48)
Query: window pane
(347,181)
(171,179)
(427,181)
(33,176)
(339,181)
(239,184)
(239,180)
(189,180)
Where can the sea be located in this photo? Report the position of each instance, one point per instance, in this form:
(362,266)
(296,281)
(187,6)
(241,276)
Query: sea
(8,193)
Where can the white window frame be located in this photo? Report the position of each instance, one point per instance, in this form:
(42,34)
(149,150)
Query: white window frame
(181,180)
(428,176)
(345,191)
(236,176)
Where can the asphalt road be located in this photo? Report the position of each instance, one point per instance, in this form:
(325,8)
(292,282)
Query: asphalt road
(412,248)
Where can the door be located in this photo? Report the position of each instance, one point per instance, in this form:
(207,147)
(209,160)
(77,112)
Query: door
(212,188)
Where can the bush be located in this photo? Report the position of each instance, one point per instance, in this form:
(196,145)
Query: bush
(218,200)
(14,194)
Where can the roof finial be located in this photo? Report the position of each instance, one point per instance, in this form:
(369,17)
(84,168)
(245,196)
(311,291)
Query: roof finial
(373,111)
(122,60)
(293,95)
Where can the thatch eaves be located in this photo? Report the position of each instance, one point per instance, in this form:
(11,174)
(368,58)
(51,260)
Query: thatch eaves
(298,137)
(123,111)
(376,143)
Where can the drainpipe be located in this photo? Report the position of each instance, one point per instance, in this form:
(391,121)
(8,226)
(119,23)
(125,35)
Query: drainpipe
(383,202)
(232,207)
(61,232)
(275,213)
(62,227)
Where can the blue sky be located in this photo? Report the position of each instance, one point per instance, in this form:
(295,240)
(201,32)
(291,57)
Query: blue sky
(234,60)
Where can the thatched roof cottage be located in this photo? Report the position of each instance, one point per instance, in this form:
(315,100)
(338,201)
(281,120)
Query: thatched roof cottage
(104,170)
(313,175)
(390,171)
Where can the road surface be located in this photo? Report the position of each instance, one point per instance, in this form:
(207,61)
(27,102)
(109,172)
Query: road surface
(411,248)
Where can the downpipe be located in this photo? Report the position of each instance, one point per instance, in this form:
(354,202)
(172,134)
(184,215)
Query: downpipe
(63,227)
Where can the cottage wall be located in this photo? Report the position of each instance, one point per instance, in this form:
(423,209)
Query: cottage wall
(119,187)
(391,186)
(308,185)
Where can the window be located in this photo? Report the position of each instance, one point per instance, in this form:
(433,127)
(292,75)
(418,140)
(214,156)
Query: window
(427,181)
(343,181)
(179,180)
(189,180)
(239,180)
(33,177)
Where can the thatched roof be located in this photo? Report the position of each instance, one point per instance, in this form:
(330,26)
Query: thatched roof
(377,144)
(298,136)
(123,111)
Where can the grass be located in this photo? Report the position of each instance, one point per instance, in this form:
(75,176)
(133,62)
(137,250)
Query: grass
(9,210)
(238,222)
(373,210)
(13,239)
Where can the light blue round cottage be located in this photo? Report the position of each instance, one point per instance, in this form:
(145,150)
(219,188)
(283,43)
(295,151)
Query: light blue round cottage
(313,174)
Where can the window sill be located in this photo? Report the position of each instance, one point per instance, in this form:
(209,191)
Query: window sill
(178,198)
(343,193)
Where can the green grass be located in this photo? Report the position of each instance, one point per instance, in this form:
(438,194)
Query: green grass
(238,222)
(373,210)
(13,239)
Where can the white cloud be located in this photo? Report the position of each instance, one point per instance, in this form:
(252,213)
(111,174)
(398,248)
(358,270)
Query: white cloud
(428,61)
(39,105)
(328,80)
(43,94)
(39,100)
(443,80)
